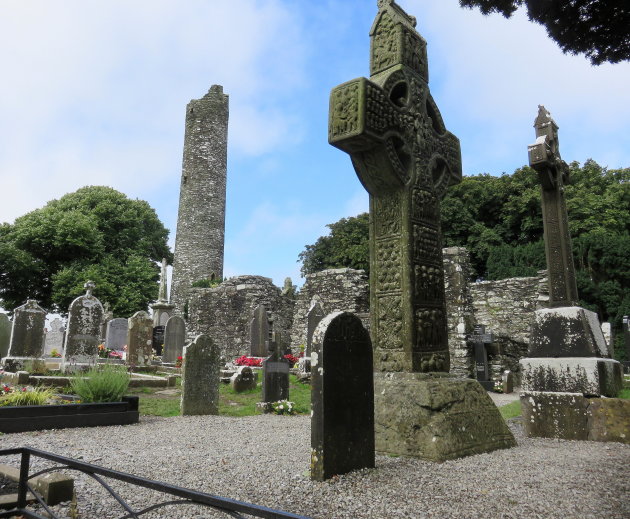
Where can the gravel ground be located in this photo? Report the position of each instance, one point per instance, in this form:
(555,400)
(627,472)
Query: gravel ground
(265,460)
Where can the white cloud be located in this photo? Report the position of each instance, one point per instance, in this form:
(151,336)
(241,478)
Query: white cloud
(94,93)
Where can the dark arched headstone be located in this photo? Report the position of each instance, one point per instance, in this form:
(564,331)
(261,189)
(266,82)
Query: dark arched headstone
(342,423)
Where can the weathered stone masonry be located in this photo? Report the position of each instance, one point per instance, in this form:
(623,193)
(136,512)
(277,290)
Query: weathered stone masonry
(224,313)
(201,217)
(337,290)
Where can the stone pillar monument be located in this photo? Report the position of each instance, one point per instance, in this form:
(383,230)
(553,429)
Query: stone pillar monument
(201,218)
(568,358)
(162,309)
(405,158)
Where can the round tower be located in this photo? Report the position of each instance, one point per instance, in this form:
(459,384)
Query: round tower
(201,216)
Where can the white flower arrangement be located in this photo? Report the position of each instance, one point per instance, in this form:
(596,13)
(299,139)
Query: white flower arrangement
(279,407)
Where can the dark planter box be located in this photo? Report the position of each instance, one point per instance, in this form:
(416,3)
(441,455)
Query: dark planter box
(62,416)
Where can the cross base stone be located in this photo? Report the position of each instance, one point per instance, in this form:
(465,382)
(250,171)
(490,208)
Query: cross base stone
(589,376)
(572,416)
(436,417)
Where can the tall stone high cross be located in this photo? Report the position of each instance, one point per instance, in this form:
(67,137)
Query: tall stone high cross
(405,158)
(553,173)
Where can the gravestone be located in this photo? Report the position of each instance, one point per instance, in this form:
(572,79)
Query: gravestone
(244,379)
(567,351)
(609,337)
(480,340)
(342,429)
(174,338)
(200,377)
(405,158)
(83,332)
(116,334)
(625,330)
(139,339)
(108,315)
(27,333)
(259,332)
(5,335)
(158,339)
(313,318)
(507,379)
(275,385)
(54,337)
(162,309)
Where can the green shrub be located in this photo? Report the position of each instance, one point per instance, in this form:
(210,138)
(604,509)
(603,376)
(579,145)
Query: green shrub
(101,384)
(34,396)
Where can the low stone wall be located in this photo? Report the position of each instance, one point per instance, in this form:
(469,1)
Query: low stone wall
(337,290)
(224,313)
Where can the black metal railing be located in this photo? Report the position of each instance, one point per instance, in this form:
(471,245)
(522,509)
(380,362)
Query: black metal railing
(229,507)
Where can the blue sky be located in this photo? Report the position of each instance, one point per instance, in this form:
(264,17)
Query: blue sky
(94,93)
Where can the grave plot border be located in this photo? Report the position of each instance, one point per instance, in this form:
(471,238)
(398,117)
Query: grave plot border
(62,416)
(230,507)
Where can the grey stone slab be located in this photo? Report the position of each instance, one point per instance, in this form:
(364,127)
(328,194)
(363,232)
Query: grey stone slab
(342,429)
(54,337)
(174,339)
(139,339)
(567,332)
(83,332)
(200,377)
(555,415)
(590,376)
(5,335)
(275,385)
(313,318)
(259,332)
(116,334)
(27,334)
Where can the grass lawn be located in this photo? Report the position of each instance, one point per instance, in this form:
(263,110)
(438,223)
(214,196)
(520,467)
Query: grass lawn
(153,401)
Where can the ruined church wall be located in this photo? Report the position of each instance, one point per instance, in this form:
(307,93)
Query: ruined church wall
(336,290)
(225,312)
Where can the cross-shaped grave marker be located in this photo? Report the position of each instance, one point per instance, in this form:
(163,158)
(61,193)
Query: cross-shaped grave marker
(553,173)
(405,158)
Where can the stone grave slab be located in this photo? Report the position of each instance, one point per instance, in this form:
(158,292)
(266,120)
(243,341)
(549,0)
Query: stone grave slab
(83,332)
(54,337)
(275,385)
(174,339)
(116,334)
(342,429)
(259,332)
(27,333)
(139,339)
(200,377)
(5,335)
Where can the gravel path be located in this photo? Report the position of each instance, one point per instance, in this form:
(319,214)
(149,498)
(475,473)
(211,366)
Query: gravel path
(265,460)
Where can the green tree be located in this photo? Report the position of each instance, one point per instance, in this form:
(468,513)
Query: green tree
(347,246)
(94,233)
(597,28)
(499,221)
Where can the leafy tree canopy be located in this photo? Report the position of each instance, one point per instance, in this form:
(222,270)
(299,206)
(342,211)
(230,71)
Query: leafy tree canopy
(600,29)
(499,221)
(94,233)
(347,246)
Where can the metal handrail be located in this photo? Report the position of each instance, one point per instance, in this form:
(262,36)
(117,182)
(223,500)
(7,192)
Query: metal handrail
(230,507)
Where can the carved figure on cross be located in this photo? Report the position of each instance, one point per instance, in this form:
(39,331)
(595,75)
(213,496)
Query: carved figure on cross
(405,158)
